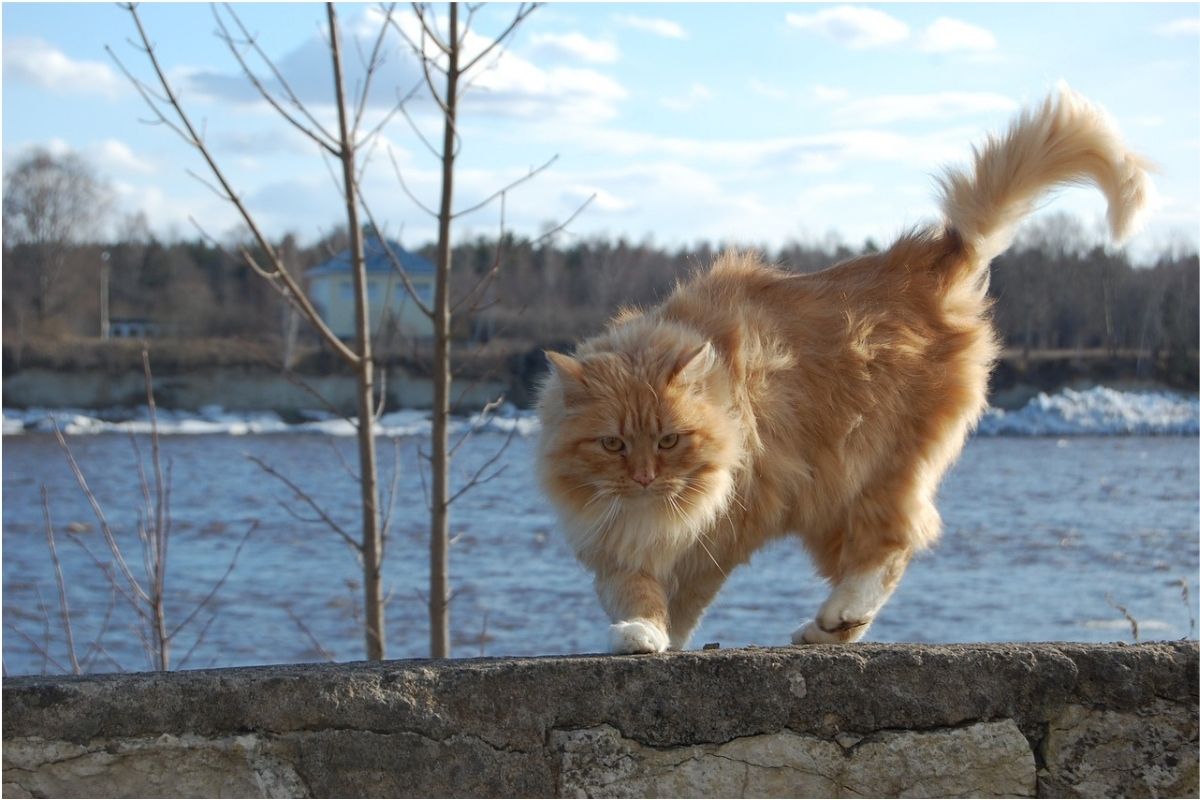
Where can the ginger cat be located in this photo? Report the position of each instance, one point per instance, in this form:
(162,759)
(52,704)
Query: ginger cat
(755,403)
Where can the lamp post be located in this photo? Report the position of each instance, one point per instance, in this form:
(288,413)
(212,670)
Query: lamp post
(105,332)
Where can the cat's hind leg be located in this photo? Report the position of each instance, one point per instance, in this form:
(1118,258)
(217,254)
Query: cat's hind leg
(865,568)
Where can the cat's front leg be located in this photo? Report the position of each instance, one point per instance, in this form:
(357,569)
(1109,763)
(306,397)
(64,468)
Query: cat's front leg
(636,602)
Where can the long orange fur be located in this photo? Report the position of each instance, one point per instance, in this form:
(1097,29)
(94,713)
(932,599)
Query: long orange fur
(755,403)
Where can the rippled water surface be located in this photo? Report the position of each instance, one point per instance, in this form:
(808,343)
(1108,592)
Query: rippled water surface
(1043,539)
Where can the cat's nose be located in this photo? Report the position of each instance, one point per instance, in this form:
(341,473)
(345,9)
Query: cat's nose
(644,478)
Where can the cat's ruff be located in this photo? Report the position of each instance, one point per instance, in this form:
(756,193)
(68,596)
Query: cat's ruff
(755,403)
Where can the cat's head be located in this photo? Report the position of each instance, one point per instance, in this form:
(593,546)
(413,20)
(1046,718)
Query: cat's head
(636,430)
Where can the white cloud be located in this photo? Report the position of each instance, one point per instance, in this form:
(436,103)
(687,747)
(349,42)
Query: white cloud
(41,64)
(946,35)
(114,156)
(657,26)
(829,94)
(698,93)
(855,27)
(1185,26)
(767,90)
(504,84)
(806,154)
(575,45)
(884,109)
(603,200)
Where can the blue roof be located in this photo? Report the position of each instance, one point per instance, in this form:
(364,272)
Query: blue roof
(377,260)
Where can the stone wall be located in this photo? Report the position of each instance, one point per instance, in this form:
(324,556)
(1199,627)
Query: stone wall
(1024,720)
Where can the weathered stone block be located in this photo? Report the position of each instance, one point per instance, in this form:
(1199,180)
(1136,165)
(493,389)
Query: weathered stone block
(987,759)
(1099,753)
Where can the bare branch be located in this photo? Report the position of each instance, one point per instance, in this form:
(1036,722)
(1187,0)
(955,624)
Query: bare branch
(96,648)
(372,66)
(533,171)
(522,12)
(430,27)
(562,226)
(134,586)
(320,136)
(420,135)
(199,639)
(325,654)
(38,647)
(393,488)
(404,186)
(307,499)
(487,409)
(342,459)
(477,479)
(294,292)
(426,64)
(216,586)
(208,185)
(395,262)
(382,381)
(296,380)
(58,579)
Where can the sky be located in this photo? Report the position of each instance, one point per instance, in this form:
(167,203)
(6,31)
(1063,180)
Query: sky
(749,124)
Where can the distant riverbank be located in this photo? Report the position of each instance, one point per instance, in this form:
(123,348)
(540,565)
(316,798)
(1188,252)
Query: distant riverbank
(249,376)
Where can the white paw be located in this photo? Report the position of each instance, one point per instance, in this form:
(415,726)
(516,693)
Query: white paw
(636,636)
(811,633)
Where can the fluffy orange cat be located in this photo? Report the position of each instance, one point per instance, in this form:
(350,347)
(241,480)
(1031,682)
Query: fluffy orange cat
(755,403)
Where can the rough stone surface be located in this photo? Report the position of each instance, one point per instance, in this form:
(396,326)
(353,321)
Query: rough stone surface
(898,720)
(984,759)
(1147,753)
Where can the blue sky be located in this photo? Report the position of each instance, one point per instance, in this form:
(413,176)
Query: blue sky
(747,123)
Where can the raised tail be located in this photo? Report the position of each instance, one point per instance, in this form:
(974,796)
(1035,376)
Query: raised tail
(1064,141)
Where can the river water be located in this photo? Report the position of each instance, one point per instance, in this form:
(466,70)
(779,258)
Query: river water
(1044,538)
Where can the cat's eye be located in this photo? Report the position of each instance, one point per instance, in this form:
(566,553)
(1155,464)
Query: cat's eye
(612,444)
(668,441)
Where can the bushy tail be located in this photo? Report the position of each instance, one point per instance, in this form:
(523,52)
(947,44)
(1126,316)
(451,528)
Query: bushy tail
(1066,140)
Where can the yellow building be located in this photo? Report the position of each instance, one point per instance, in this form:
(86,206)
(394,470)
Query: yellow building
(392,311)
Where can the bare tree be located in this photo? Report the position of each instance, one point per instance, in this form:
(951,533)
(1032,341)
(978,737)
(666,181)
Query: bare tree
(344,145)
(51,204)
(448,69)
(145,597)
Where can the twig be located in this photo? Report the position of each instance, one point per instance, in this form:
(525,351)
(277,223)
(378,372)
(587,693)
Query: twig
(404,186)
(393,487)
(394,259)
(341,458)
(320,136)
(325,654)
(1187,603)
(1133,624)
(95,648)
(307,499)
(219,584)
(371,67)
(62,586)
(134,586)
(533,172)
(297,381)
(38,648)
(475,479)
(199,638)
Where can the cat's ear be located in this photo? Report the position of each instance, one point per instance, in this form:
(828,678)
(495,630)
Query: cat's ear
(693,365)
(567,368)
